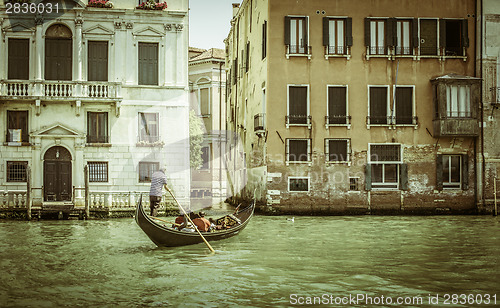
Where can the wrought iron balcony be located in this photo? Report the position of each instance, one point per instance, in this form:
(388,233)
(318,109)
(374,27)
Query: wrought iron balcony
(298,120)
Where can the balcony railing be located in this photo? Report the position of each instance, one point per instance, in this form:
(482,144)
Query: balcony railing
(29,89)
(392,120)
(298,120)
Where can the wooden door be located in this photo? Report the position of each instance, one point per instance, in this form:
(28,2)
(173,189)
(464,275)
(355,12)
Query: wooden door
(57,175)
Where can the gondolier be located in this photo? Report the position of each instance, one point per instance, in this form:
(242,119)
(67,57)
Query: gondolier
(158,180)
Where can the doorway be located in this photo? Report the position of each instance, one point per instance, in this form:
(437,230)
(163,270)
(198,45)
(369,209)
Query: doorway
(57,174)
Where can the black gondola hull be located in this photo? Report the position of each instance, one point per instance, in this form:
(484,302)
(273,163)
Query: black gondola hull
(164,236)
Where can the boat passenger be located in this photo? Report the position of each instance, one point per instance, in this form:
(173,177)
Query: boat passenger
(202,223)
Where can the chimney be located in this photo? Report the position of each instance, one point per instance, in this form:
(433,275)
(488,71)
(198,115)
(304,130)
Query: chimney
(236,7)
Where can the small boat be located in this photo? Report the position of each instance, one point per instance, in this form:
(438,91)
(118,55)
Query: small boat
(165,236)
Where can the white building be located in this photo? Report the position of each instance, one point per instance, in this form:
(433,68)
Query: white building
(105,88)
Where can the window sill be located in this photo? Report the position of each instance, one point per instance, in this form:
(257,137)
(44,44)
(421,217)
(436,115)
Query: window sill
(348,163)
(100,145)
(327,126)
(309,126)
(17,144)
(288,162)
(143,144)
(288,55)
(99,183)
(392,126)
(298,191)
(347,56)
(385,189)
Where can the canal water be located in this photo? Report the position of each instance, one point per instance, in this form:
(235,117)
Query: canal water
(274,262)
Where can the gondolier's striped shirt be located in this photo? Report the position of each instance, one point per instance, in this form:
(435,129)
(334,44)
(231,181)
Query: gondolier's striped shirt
(157,180)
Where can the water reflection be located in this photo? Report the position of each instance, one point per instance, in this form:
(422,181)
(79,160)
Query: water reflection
(112,263)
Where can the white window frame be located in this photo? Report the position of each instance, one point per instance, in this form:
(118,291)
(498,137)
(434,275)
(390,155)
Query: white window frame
(348,151)
(348,120)
(387,111)
(448,185)
(413,107)
(383,185)
(299,178)
(376,22)
(140,141)
(308,121)
(333,27)
(309,152)
(308,54)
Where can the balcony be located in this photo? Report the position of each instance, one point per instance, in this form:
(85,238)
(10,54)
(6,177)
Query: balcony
(259,124)
(298,120)
(455,127)
(60,90)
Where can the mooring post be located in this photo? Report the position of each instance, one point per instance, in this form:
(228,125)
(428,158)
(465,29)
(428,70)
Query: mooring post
(86,175)
(495,194)
(28,192)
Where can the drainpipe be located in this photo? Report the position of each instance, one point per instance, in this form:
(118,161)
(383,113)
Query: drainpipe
(220,129)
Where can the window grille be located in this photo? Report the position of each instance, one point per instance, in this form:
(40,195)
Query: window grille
(16,171)
(98,171)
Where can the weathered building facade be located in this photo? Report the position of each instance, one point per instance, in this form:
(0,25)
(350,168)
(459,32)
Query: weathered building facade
(207,82)
(101,88)
(489,67)
(356,106)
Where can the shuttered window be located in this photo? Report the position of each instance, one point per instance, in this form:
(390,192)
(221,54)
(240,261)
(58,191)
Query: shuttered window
(404,40)
(148,64)
(404,105)
(297,105)
(17,126)
(98,61)
(296,35)
(58,58)
(337,35)
(97,127)
(298,150)
(428,37)
(18,63)
(378,105)
(337,150)
(453,36)
(337,105)
(264,39)
(375,36)
(149,127)
(98,171)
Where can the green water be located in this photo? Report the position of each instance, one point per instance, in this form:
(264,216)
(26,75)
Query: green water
(273,262)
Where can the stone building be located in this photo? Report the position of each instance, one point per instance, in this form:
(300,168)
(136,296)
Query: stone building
(356,106)
(99,88)
(207,82)
(489,67)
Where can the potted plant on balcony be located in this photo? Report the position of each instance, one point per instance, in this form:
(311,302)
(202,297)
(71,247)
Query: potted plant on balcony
(152,5)
(100,4)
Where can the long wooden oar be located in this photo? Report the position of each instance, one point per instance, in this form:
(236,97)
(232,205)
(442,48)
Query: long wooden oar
(189,218)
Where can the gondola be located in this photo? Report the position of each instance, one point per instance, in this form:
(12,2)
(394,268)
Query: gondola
(164,236)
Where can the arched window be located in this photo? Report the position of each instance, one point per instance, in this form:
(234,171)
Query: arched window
(58,53)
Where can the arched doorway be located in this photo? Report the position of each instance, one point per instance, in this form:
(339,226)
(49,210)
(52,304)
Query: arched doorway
(58,53)
(57,174)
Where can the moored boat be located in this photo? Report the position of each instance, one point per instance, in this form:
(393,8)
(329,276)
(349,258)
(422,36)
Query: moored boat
(165,236)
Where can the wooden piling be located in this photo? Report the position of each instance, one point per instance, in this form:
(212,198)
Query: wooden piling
(28,192)
(495,194)
(87,203)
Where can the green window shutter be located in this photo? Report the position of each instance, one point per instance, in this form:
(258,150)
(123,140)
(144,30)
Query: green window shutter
(414,32)
(367,32)
(368,177)
(465,33)
(348,31)
(390,31)
(465,172)
(18,59)
(287,30)
(439,172)
(304,36)
(403,177)
(326,37)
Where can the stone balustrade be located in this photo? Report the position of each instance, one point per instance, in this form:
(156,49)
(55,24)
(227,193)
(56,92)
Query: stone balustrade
(59,89)
(13,198)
